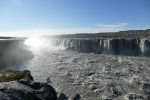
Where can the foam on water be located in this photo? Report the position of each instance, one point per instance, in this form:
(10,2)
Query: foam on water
(91,75)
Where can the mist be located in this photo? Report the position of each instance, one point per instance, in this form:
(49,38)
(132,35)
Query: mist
(13,52)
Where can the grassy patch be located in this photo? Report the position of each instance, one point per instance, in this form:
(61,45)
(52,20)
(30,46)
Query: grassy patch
(10,75)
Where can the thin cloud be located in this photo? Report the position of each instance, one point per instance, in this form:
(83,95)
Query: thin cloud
(118,25)
(39,32)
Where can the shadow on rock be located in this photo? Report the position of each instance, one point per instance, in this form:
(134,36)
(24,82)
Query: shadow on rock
(24,88)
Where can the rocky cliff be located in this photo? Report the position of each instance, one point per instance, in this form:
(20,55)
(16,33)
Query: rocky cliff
(125,42)
(19,85)
(120,34)
(111,46)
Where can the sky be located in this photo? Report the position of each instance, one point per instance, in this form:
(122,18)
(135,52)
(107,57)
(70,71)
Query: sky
(51,17)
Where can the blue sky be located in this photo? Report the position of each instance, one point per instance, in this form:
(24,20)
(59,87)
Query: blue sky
(62,16)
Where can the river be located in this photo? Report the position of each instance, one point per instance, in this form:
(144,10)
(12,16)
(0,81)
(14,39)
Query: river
(99,76)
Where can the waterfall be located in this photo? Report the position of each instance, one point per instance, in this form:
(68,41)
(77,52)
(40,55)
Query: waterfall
(114,46)
(109,44)
(142,45)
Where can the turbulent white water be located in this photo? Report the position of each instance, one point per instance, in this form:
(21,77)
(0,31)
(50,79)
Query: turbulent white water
(109,46)
(98,76)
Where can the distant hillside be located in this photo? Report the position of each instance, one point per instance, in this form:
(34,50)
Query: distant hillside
(3,38)
(120,34)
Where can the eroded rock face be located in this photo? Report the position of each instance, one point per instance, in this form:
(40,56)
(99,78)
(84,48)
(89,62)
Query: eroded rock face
(132,42)
(24,88)
(123,46)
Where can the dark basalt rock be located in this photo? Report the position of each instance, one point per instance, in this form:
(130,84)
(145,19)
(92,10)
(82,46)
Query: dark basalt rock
(62,96)
(77,97)
(24,88)
(134,96)
(15,94)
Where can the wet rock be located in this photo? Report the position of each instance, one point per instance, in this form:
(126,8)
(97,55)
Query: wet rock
(93,61)
(15,94)
(48,80)
(90,73)
(117,91)
(22,87)
(134,96)
(77,97)
(62,96)
(114,88)
(75,60)
(145,86)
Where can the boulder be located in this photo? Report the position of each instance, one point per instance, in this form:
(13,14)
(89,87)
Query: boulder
(19,85)
(134,96)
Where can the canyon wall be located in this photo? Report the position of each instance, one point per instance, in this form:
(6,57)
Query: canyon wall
(109,46)
(131,42)
(121,34)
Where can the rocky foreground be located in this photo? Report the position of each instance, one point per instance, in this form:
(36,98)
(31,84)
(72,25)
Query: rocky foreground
(19,85)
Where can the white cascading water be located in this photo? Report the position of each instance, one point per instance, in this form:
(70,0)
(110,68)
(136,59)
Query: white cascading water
(105,45)
(142,45)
